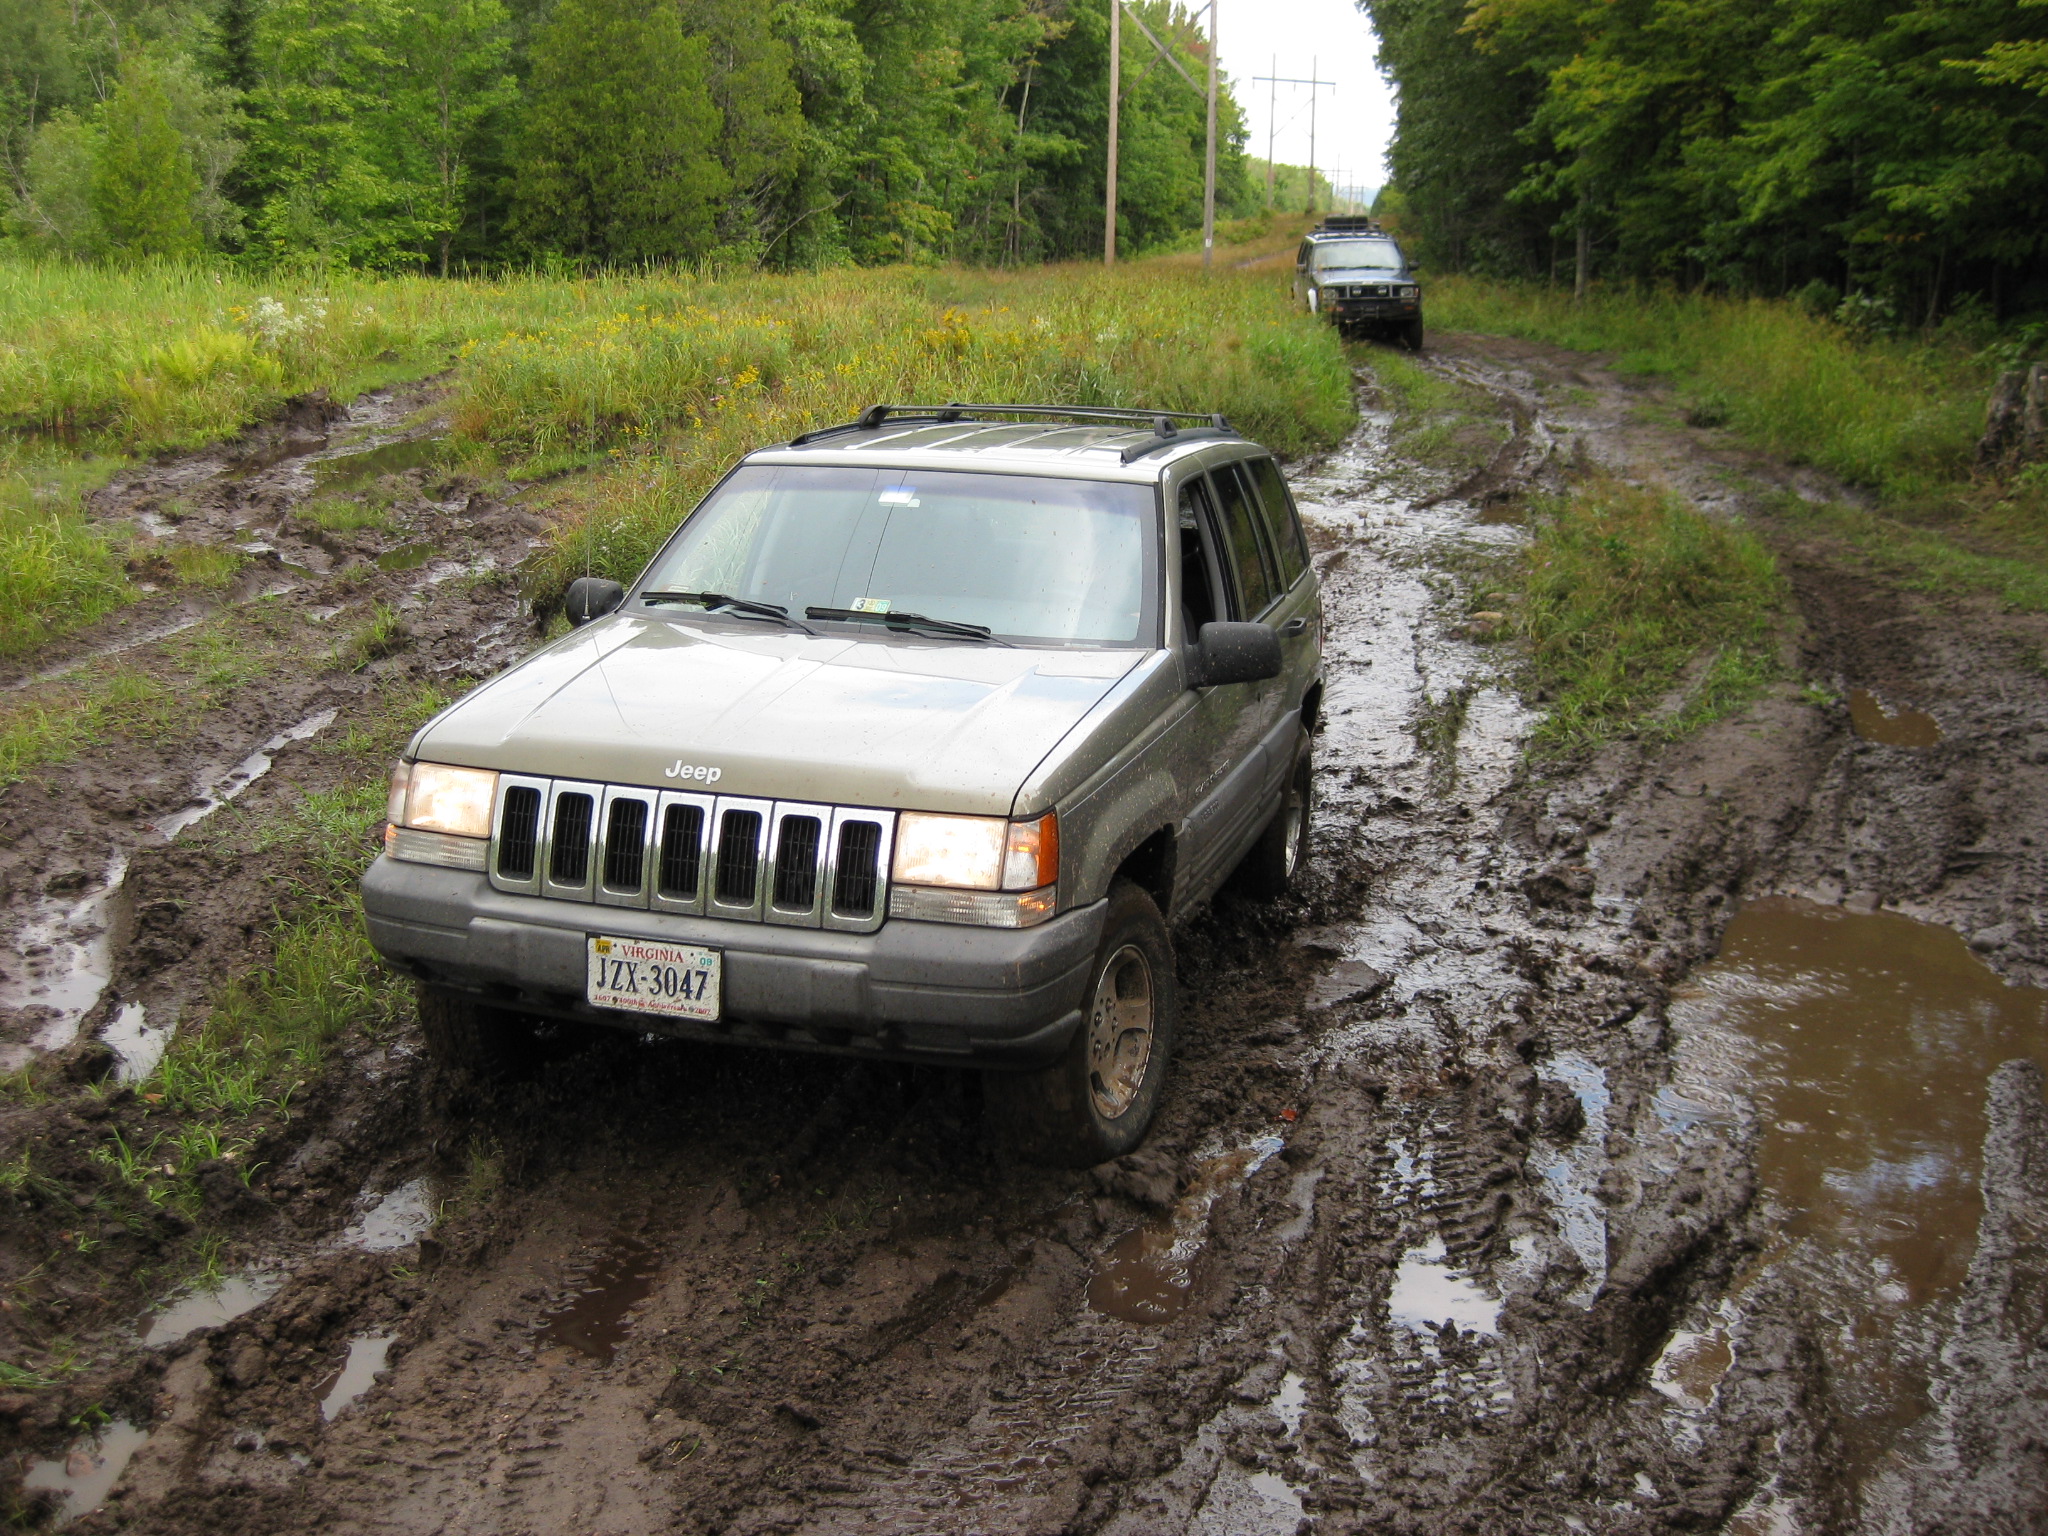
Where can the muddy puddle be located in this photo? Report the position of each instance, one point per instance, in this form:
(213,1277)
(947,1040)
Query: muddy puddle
(367,1356)
(394,1220)
(217,788)
(80,1480)
(1149,1273)
(352,468)
(1862,1043)
(210,1306)
(598,1315)
(1901,727)
(137,1045)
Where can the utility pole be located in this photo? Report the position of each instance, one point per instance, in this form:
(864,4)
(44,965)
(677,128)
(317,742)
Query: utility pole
(1209,158)
(1314,83)
(1116,70)
(1315,69)
(1272,115)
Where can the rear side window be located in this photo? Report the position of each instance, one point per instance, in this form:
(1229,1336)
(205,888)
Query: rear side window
(1283,526)
(1250,562)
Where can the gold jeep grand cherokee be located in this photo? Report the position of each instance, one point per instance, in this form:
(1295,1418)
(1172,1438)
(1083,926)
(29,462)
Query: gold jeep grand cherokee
(912,742)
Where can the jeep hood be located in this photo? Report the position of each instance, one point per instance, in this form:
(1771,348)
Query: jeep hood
(902,723)
(1360,275)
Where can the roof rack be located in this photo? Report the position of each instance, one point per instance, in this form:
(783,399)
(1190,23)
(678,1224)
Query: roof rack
(1165,425)
(1349,224)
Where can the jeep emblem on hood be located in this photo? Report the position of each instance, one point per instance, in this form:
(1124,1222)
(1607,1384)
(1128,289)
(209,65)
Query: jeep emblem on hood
(698,771)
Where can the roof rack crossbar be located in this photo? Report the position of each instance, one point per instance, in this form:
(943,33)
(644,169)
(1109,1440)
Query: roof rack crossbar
(1164,424)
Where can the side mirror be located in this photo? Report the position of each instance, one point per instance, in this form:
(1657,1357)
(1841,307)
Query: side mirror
(1235,653)
(591,597)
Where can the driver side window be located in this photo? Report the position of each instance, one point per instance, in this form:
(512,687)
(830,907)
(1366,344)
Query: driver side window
(1201,589)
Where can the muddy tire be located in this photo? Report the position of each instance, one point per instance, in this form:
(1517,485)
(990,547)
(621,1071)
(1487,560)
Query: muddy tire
(470,1041)
(1411,335)
(1097,1101)
(1277,859)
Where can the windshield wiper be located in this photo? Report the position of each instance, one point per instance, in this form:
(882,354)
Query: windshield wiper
(949,627)
(745,607)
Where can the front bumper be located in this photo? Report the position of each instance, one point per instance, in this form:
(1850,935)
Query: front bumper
(912,991)
(1385,311)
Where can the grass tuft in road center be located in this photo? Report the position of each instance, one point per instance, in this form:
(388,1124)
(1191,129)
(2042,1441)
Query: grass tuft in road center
(1641,614)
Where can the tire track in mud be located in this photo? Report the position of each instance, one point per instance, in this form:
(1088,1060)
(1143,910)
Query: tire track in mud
(1495,1277)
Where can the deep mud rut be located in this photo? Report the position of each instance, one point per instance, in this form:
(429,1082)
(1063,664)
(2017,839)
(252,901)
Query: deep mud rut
(1472,1205)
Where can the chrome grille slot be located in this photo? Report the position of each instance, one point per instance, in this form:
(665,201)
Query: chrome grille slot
(796,863)
(739,837)
(855,881)
(739,858)
(568,843)
(682,854)
(519,833)
(673,851)
(628,832)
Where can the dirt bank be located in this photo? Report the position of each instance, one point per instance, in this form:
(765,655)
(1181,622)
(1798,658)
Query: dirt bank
(1464,1211)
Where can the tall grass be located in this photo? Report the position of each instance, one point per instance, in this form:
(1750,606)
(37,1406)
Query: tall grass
(1642,614)
(56,571)
(1900,416)
(663,377)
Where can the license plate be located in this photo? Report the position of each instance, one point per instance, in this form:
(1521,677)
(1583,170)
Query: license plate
(646,976)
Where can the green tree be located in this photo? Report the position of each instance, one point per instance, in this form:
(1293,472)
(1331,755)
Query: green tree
(616,157)
(750,74)
(144,184)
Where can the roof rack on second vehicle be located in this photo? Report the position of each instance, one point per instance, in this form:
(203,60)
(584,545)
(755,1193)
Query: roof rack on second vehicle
(1349,224)
(1165,425)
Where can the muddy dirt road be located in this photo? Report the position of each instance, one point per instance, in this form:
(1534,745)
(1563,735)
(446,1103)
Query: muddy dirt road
(1617,1148)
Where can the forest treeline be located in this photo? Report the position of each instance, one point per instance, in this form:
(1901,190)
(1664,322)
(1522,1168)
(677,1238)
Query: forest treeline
(446,134)
(1883,160)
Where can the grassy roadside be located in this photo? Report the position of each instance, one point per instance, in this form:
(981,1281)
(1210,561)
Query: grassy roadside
(652,382)
(1897,416)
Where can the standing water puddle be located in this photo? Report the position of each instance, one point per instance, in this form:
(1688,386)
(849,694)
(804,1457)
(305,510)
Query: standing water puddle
(353,467)
(1865,1041)
(1427,1293)
(215,792)
(66,956)
(197,1309)
(594,1321)
(398,1219)
(137,1047)
(1901,728)
(86,1473)
(1150,1272)
(367,1354)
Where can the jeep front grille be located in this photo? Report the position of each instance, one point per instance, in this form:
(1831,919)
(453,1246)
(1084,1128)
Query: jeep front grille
(771,861)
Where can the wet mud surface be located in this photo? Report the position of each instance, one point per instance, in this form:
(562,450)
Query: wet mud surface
(1653,1144)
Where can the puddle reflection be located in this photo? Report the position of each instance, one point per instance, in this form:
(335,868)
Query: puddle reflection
(595,1320)
(1149,1273)
(1867,1041)
(1902,728)
(367,1354)
(87,1472)
(196,1309)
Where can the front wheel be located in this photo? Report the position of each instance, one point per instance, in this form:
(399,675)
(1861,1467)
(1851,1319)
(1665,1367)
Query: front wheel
(473,1042)
(1098,1100)
(1411,335)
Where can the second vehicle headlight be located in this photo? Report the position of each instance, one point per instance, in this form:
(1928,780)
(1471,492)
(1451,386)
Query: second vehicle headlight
(442,798)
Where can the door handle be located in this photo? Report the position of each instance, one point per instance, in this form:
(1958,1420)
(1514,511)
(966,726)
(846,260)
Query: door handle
(1293,627)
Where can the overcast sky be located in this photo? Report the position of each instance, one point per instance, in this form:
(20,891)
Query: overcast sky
(1332,40)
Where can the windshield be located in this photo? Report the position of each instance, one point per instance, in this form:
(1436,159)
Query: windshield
(1035,560)
(1383,254)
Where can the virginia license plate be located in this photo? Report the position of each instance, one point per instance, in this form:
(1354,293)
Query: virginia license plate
(645,976)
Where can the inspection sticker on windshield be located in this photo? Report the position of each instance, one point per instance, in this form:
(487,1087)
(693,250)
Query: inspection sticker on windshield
(647,976)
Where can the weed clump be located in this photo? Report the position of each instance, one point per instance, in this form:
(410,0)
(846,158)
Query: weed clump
(1641,613)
